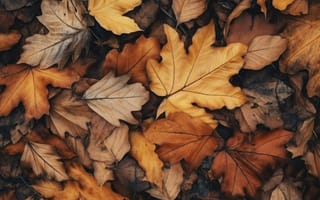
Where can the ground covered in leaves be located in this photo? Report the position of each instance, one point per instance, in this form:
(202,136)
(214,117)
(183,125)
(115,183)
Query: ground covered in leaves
(159,99)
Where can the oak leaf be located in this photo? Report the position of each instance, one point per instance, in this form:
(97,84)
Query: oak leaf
(28,85)
(68,35)
(172,181)
(105,96)
(304,43)
(133,59)
(81,186)
(182,137)
(109,14)
(144,153)
(44,159)
(186,10)
(241,164)
(8,40)
(263,50)
(199,77)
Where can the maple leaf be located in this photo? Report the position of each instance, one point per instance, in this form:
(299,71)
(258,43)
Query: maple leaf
(241,164)
(68,115)
(105,96)
(186,10)
(68,35)
(263,50)
(304,41)
(144,152)
(81,186)
(109,13)
(43,159)
(28,85)
(200,77)
(8,40)
(182,137)
(133,59)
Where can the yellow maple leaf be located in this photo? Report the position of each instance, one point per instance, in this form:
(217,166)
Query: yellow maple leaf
(109,13)
(199,77)
(29,85)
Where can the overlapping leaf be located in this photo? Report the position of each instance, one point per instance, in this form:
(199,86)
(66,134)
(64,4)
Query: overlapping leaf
(68,35)
(105,96)
(109,14)
(241,164)
(200,77)
(186,10)
(28,85)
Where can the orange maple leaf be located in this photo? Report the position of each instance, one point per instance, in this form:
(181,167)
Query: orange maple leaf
(182,137)
(29,85)
(241,164)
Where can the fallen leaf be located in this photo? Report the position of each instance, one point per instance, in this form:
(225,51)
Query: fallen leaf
(133,59)
(281,4)
(186,10)
(263,50)
(69,114)
(263,106)
(298,7)
(263,7)
(8,40)
(77,145)
(246,27)
(144,153)
(17,4)
(28,85)
(68,35)
(147,13)
(105,96)
(81,186)
(109,14)
(286,191)
(182,137)
(241,164)
(43,159)
(172,180)
(312,160)
(200,77)
(20,130)
(304,40)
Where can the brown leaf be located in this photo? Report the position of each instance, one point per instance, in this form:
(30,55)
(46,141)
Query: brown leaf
(147,14)
(182,137)
(133,59)
(241,164)
(186,10)
(172,180)
(246,27)
(312,160)
(81,186)
(29,86)
(8,40)
(304,41)
(263,50)
(8,195)
(77,145)
(298,7)
(43,159)
(144,153)
(286,191)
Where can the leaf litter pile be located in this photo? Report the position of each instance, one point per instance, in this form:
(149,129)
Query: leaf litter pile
(159,99)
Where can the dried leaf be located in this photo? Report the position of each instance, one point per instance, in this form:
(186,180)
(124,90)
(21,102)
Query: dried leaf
(286,191)
(28,85)
(281,4)
(69,115)
(68,35)
(133,59)
(241,164)
(186,10)
(43,159)
(182,137)
(172,180)
(263,50)
(109,14)
(144,153)
(8,40)
(81,186)
(200,77)
(298,7)
(312,160)
(304,41)
(105,96)
(76,144)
